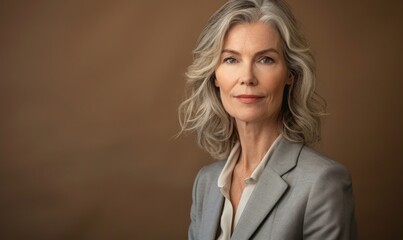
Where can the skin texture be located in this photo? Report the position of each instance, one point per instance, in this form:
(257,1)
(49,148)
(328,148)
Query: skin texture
(251,77)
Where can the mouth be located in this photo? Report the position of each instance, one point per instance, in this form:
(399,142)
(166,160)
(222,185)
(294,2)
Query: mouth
(248,98)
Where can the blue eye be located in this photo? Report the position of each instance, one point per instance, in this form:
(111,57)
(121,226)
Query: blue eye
(230,60)
(266,60)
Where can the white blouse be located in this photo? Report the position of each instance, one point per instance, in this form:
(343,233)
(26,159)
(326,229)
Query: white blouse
(224,183)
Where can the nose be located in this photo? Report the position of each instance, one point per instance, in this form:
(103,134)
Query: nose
(247,76)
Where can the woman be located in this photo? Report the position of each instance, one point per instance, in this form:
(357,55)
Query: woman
(252,102)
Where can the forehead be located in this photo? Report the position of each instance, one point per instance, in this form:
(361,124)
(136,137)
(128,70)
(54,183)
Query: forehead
(252,36)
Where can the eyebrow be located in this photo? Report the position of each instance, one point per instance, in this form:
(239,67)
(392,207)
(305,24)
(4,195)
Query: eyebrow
(257,53)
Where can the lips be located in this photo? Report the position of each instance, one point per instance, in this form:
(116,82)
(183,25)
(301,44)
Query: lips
(248,98)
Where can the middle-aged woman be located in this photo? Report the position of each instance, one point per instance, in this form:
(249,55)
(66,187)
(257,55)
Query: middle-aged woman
(252,102)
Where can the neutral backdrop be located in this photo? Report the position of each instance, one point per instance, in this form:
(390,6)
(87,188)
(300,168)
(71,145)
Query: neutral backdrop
(88,109)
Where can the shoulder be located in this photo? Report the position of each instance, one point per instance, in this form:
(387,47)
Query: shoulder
(302,160)
(206,180)
(210,172)
(312,160)
(312,166)
(302,164)
(329,200)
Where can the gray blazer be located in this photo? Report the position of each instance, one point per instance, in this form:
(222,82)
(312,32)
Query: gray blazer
(300,195)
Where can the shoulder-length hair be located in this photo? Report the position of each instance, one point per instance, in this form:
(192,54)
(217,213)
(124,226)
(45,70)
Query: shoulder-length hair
(202,110)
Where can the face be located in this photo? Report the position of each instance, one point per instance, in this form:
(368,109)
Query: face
(252,73)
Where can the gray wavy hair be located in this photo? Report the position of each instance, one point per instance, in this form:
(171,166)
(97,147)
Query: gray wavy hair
(202,110)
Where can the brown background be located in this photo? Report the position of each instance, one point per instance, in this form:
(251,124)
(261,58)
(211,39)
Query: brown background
(88,99)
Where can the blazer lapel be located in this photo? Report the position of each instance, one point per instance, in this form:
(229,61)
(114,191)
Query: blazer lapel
(268,190)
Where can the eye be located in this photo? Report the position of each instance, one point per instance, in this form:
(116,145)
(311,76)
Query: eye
(230,60)
(266,60)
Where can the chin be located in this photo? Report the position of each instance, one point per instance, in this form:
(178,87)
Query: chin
(254,117)
(249,118)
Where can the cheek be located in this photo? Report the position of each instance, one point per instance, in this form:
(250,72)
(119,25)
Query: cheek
(275,86)
(276,94)
(224,84)
(226,100)
(280,94)
(280,90)
(224,77)
(225,97)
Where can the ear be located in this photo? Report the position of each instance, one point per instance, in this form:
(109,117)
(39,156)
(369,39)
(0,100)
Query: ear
(215,80)
(290,79)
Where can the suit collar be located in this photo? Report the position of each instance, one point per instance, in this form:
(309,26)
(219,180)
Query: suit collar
(268,189)
(285,156)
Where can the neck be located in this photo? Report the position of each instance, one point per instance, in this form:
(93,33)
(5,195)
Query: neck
(255,140)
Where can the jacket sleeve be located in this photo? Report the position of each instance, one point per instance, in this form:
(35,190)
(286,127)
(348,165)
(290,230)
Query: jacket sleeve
(330,206)
(195,211)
